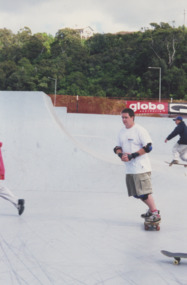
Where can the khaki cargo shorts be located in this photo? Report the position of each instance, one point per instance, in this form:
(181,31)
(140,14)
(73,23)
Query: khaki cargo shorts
(139,184)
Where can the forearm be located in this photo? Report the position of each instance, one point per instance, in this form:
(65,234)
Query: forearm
(142,151)
(128,156)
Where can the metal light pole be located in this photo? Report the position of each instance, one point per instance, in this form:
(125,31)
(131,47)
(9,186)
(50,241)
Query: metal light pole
(77,98)
(150,67)
(55,88)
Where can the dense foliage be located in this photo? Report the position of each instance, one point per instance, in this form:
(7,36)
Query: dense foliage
(104,65)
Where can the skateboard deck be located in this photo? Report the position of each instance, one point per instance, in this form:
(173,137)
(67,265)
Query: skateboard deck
(152,225)
(170,164)
(176,255)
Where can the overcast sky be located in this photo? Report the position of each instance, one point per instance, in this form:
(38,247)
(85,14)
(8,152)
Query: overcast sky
(102,15)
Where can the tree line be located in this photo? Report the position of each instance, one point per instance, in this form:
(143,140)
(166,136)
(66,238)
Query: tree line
(105,65)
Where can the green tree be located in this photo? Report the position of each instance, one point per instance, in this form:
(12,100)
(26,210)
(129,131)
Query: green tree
(112,65)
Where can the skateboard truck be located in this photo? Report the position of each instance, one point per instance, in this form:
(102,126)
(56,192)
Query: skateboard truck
(152,225)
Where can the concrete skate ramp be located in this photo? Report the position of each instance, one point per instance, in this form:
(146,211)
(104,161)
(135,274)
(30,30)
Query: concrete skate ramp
(38,146)
(79,226)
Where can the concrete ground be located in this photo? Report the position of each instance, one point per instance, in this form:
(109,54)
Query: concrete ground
(79,225)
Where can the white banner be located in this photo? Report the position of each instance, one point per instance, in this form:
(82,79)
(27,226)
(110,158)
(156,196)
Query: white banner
(177,108)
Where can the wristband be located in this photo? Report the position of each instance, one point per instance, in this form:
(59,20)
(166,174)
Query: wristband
(120,154)
(133,155)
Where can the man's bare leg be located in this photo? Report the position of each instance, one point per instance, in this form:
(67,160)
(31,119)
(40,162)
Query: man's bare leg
(150,203)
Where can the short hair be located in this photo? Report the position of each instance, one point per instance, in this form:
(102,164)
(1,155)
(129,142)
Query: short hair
(129,111)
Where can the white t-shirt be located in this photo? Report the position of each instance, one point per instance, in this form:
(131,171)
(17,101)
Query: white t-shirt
(131,140)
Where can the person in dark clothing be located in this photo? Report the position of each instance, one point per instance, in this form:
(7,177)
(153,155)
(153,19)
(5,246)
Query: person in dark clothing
(180,148)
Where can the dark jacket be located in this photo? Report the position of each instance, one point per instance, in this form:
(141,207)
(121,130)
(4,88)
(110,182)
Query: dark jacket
(181,130)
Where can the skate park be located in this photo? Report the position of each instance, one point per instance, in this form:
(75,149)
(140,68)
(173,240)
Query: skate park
(79,225)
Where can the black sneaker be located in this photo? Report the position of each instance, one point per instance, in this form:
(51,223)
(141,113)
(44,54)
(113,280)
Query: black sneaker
(175,161)
(21,207)
(147,214)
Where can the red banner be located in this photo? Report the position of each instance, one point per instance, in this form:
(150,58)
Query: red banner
(148,107)
(2,168)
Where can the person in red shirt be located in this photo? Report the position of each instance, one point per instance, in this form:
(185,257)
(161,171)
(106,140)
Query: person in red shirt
(5,193)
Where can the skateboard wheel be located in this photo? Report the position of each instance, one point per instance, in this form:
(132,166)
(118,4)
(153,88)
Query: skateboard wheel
(146,228)
(177,261)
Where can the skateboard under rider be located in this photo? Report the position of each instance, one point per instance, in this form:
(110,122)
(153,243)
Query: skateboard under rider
(151,225)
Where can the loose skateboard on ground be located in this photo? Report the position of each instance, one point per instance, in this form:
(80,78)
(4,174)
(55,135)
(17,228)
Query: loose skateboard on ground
(152,225)
(170,163)
(176,255)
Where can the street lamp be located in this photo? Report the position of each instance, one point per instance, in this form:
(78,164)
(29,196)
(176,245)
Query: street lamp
(150,67)
(55,88)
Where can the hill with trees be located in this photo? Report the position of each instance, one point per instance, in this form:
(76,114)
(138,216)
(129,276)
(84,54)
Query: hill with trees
(105,65)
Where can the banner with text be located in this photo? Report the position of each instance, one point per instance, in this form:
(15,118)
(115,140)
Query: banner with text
(178,108)
(148,107)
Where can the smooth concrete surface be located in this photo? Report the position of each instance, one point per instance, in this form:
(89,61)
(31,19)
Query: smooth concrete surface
(79,226)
